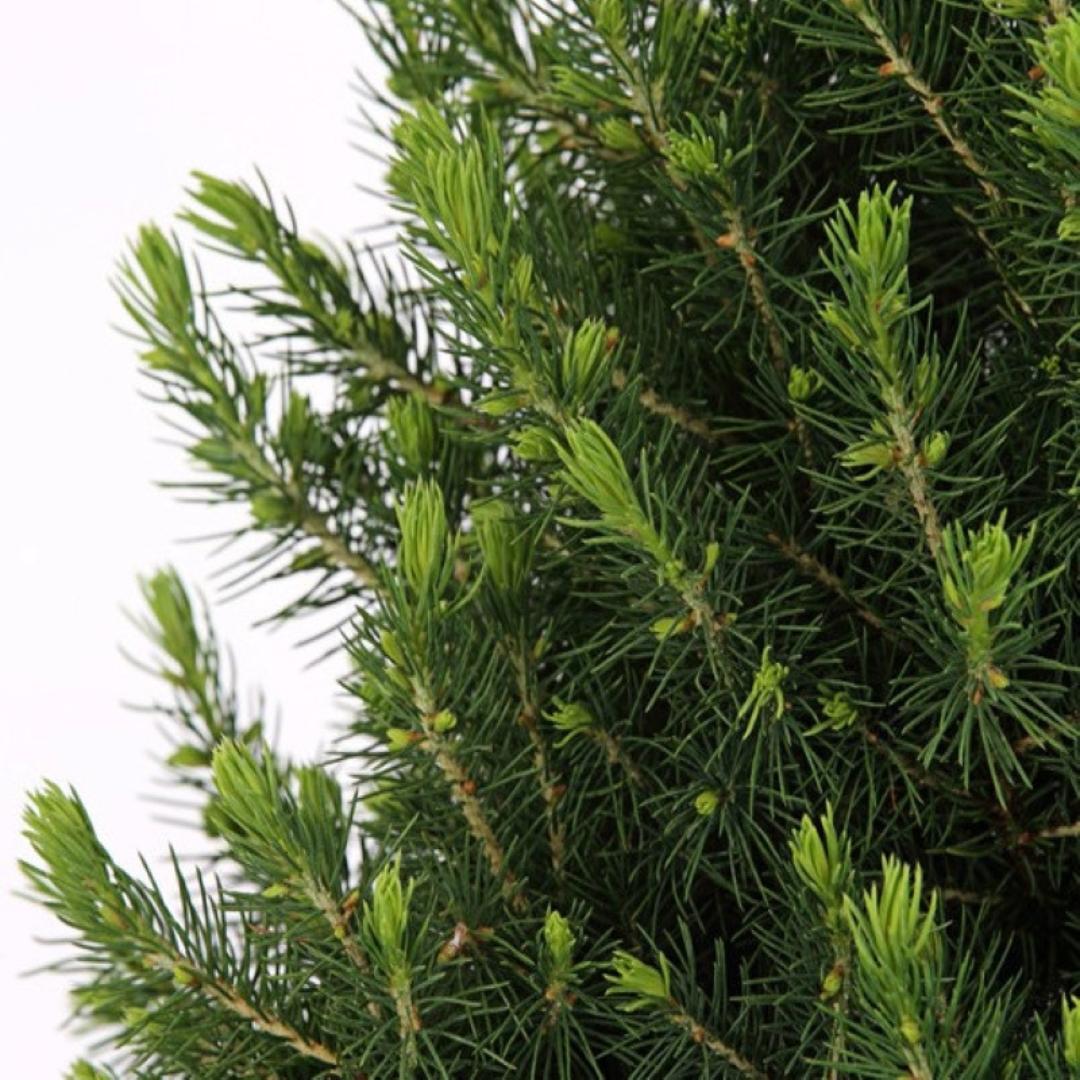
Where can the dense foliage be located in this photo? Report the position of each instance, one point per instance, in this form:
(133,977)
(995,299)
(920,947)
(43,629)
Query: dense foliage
(698,508)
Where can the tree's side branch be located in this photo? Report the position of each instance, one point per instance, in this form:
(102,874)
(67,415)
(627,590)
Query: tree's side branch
(899,65)
(911,468)
(678,415)
(231,998)
(337,916)
(1052,832)
(382,369)
(820,572)
(310,520)
(464,791)
(549,789)
(617,755)
(714,1044)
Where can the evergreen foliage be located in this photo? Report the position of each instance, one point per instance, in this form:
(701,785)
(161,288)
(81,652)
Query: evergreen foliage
(698,508)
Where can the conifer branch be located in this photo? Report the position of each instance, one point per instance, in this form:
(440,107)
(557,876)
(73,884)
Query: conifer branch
(317,525)
(617,755)
(999,266)
(228,996)
(899,65)
(910,465)
(678,415)
(309,520)
(381,369)
(463,788)
(337,917)
(470,407)
(1051,832)
(550,793)
(820,572)
(738,239)
(712,1042)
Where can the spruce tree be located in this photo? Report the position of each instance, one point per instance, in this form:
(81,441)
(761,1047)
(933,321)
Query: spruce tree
(695,496)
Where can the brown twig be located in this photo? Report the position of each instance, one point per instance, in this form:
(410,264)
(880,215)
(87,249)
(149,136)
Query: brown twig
(236,1003)
(464,791)
(549,790)
(821,573)
(899,65)
(714,1044)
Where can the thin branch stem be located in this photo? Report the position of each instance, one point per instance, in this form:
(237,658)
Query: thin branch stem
(821,573)
(464,792)
(714,1044)
(231,998)
(678,415)
(1052,832)
(549,790)
(899,65)
(616,754)
(310,520)
(911,468)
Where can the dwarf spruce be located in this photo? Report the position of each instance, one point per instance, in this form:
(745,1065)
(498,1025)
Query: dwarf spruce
(695,498)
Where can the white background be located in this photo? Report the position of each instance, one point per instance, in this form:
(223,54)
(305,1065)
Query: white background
(104,109)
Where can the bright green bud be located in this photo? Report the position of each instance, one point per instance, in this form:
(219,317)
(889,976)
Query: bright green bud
(978,566)
(617,133)
(802,383)
(692,156)
(1051,365)
(559,941)
(894,936)
(595,471)
(535,444)
(832,984)
(586,361)
(712,553)
(443,721)
(582,88)
(822,861)
(706,803)
(1069,226)
(184,977)
(927,377)
(391,647)
(873,455)
(934,449)
(669,625)
(868,257)
(520,289)
(1070,1030)
(114,917)
(609,18)
(83,1070)
(133,1016)
(411,432)
(386,915)
(645,985)
(399,739)
(188,757)
(571,718)
(909,1029)
(424,554)
(502,402)
(506,543)
(839,710)
(767,689)
(269,508)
